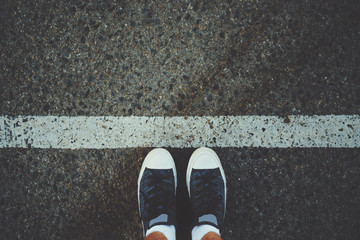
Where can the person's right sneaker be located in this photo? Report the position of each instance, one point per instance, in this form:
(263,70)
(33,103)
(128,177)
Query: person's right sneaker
(206,183)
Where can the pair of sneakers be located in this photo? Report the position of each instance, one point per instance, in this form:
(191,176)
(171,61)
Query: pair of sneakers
(206,184)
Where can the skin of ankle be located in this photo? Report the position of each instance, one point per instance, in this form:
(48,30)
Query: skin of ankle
(155,236)
(211,236)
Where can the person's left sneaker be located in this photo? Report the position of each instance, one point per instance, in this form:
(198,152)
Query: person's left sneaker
(156,193)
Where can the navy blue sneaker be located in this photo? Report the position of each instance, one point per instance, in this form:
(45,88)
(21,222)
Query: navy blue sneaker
(206,184)
(157,190)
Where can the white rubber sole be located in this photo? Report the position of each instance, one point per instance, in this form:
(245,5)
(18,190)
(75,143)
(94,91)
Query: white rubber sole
(211,154)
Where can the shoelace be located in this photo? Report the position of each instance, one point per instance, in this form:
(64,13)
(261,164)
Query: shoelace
(208,199)
(158,199)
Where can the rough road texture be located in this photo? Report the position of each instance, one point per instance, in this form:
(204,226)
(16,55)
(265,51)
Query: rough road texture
(187,58)
(175,58)
(91,194)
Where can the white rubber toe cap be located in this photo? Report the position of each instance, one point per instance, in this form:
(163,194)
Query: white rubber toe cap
(204,158)
(159,159)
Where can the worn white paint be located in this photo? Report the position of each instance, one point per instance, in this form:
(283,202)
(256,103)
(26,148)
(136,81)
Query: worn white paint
(337,131)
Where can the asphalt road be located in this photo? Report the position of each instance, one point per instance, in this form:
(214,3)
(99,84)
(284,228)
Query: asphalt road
(179,58)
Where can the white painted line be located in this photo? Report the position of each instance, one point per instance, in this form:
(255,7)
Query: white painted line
(336,131)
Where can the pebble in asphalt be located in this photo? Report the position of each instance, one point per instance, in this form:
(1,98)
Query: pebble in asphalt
(172,59)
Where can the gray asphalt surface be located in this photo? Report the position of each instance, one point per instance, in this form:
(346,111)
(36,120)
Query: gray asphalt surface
(176,58)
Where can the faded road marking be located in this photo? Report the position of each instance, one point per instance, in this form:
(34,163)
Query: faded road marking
(337,131)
